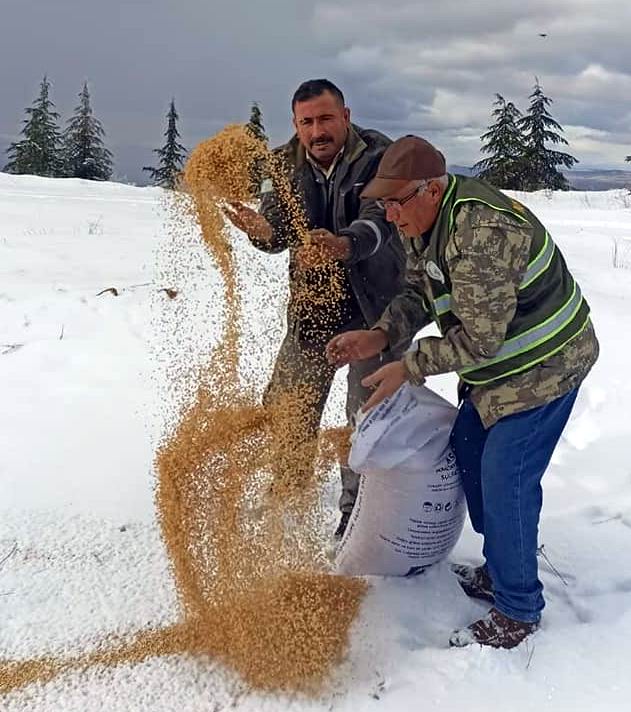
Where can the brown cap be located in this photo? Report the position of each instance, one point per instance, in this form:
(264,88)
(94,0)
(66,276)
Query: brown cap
(408,158)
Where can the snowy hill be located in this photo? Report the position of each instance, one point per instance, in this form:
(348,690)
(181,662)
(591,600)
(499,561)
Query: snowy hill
(82,405)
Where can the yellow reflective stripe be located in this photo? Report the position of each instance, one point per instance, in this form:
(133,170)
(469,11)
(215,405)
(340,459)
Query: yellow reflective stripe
(479,200)
(536,335)
(449,191)
(540,264)
(530,364)
(535,269)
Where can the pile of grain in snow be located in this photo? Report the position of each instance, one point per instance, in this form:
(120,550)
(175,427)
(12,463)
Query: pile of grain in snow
(238,486)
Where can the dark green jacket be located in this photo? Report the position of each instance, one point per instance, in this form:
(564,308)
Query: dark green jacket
(550,310)
(473,275)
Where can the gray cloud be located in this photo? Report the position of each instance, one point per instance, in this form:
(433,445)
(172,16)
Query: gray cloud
(462,54)
(403,65)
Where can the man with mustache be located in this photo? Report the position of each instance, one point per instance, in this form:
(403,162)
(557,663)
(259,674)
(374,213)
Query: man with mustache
(328,161)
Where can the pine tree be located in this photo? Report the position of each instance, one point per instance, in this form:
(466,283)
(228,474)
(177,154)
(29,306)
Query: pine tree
(172,154)
(505,143)
(256,128)
(540,162)
(85,156)
(39,152)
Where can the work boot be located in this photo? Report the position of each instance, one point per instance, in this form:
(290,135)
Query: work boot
(341,527)
(495,630)
(475,581)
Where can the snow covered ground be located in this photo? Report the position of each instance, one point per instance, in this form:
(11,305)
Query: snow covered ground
(82,404)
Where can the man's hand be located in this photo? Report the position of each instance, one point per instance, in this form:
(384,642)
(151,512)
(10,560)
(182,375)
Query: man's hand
(249,221)
(323,247)
(337,247)
(388,379)
(355,346)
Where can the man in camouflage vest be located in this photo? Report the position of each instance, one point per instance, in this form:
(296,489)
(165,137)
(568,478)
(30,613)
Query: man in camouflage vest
(515,327)
(328,162)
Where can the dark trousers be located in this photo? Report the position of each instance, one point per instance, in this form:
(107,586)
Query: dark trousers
(301,364)
(501,470)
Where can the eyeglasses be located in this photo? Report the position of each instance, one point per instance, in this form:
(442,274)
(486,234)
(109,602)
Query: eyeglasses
(398,202)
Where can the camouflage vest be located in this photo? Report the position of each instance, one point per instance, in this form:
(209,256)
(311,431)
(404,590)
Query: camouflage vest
(551,310)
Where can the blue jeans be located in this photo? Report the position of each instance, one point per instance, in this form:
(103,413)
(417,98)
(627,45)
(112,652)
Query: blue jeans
(501,470)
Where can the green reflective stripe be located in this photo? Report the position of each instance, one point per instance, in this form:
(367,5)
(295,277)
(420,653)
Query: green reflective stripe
(442,305)
(478,200)
(540,264)
(530,364)
(537,334)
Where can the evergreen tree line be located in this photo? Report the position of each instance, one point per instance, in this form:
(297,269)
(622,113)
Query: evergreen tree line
(520,158)
(45,149)
(79,150)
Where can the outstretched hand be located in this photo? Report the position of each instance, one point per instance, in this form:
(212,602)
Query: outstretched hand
(355,346)
(387,380)
(248,220)
(337,247)
(323,247)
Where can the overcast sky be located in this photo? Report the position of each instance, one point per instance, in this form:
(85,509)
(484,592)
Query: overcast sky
(405,66)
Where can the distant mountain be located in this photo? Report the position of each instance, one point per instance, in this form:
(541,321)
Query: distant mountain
(598,179)
(461,170)
(587,179)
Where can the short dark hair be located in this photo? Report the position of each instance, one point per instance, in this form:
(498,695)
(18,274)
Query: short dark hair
(315,87)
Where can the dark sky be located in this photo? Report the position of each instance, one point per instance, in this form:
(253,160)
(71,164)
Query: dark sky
(405,66)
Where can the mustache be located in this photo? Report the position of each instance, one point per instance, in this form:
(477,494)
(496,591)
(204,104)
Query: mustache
(321,140)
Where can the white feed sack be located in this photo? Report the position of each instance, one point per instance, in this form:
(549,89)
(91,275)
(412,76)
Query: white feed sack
(410,507)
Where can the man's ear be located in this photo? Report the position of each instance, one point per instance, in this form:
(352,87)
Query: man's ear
(435,191)
(347,115)
(293,122)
